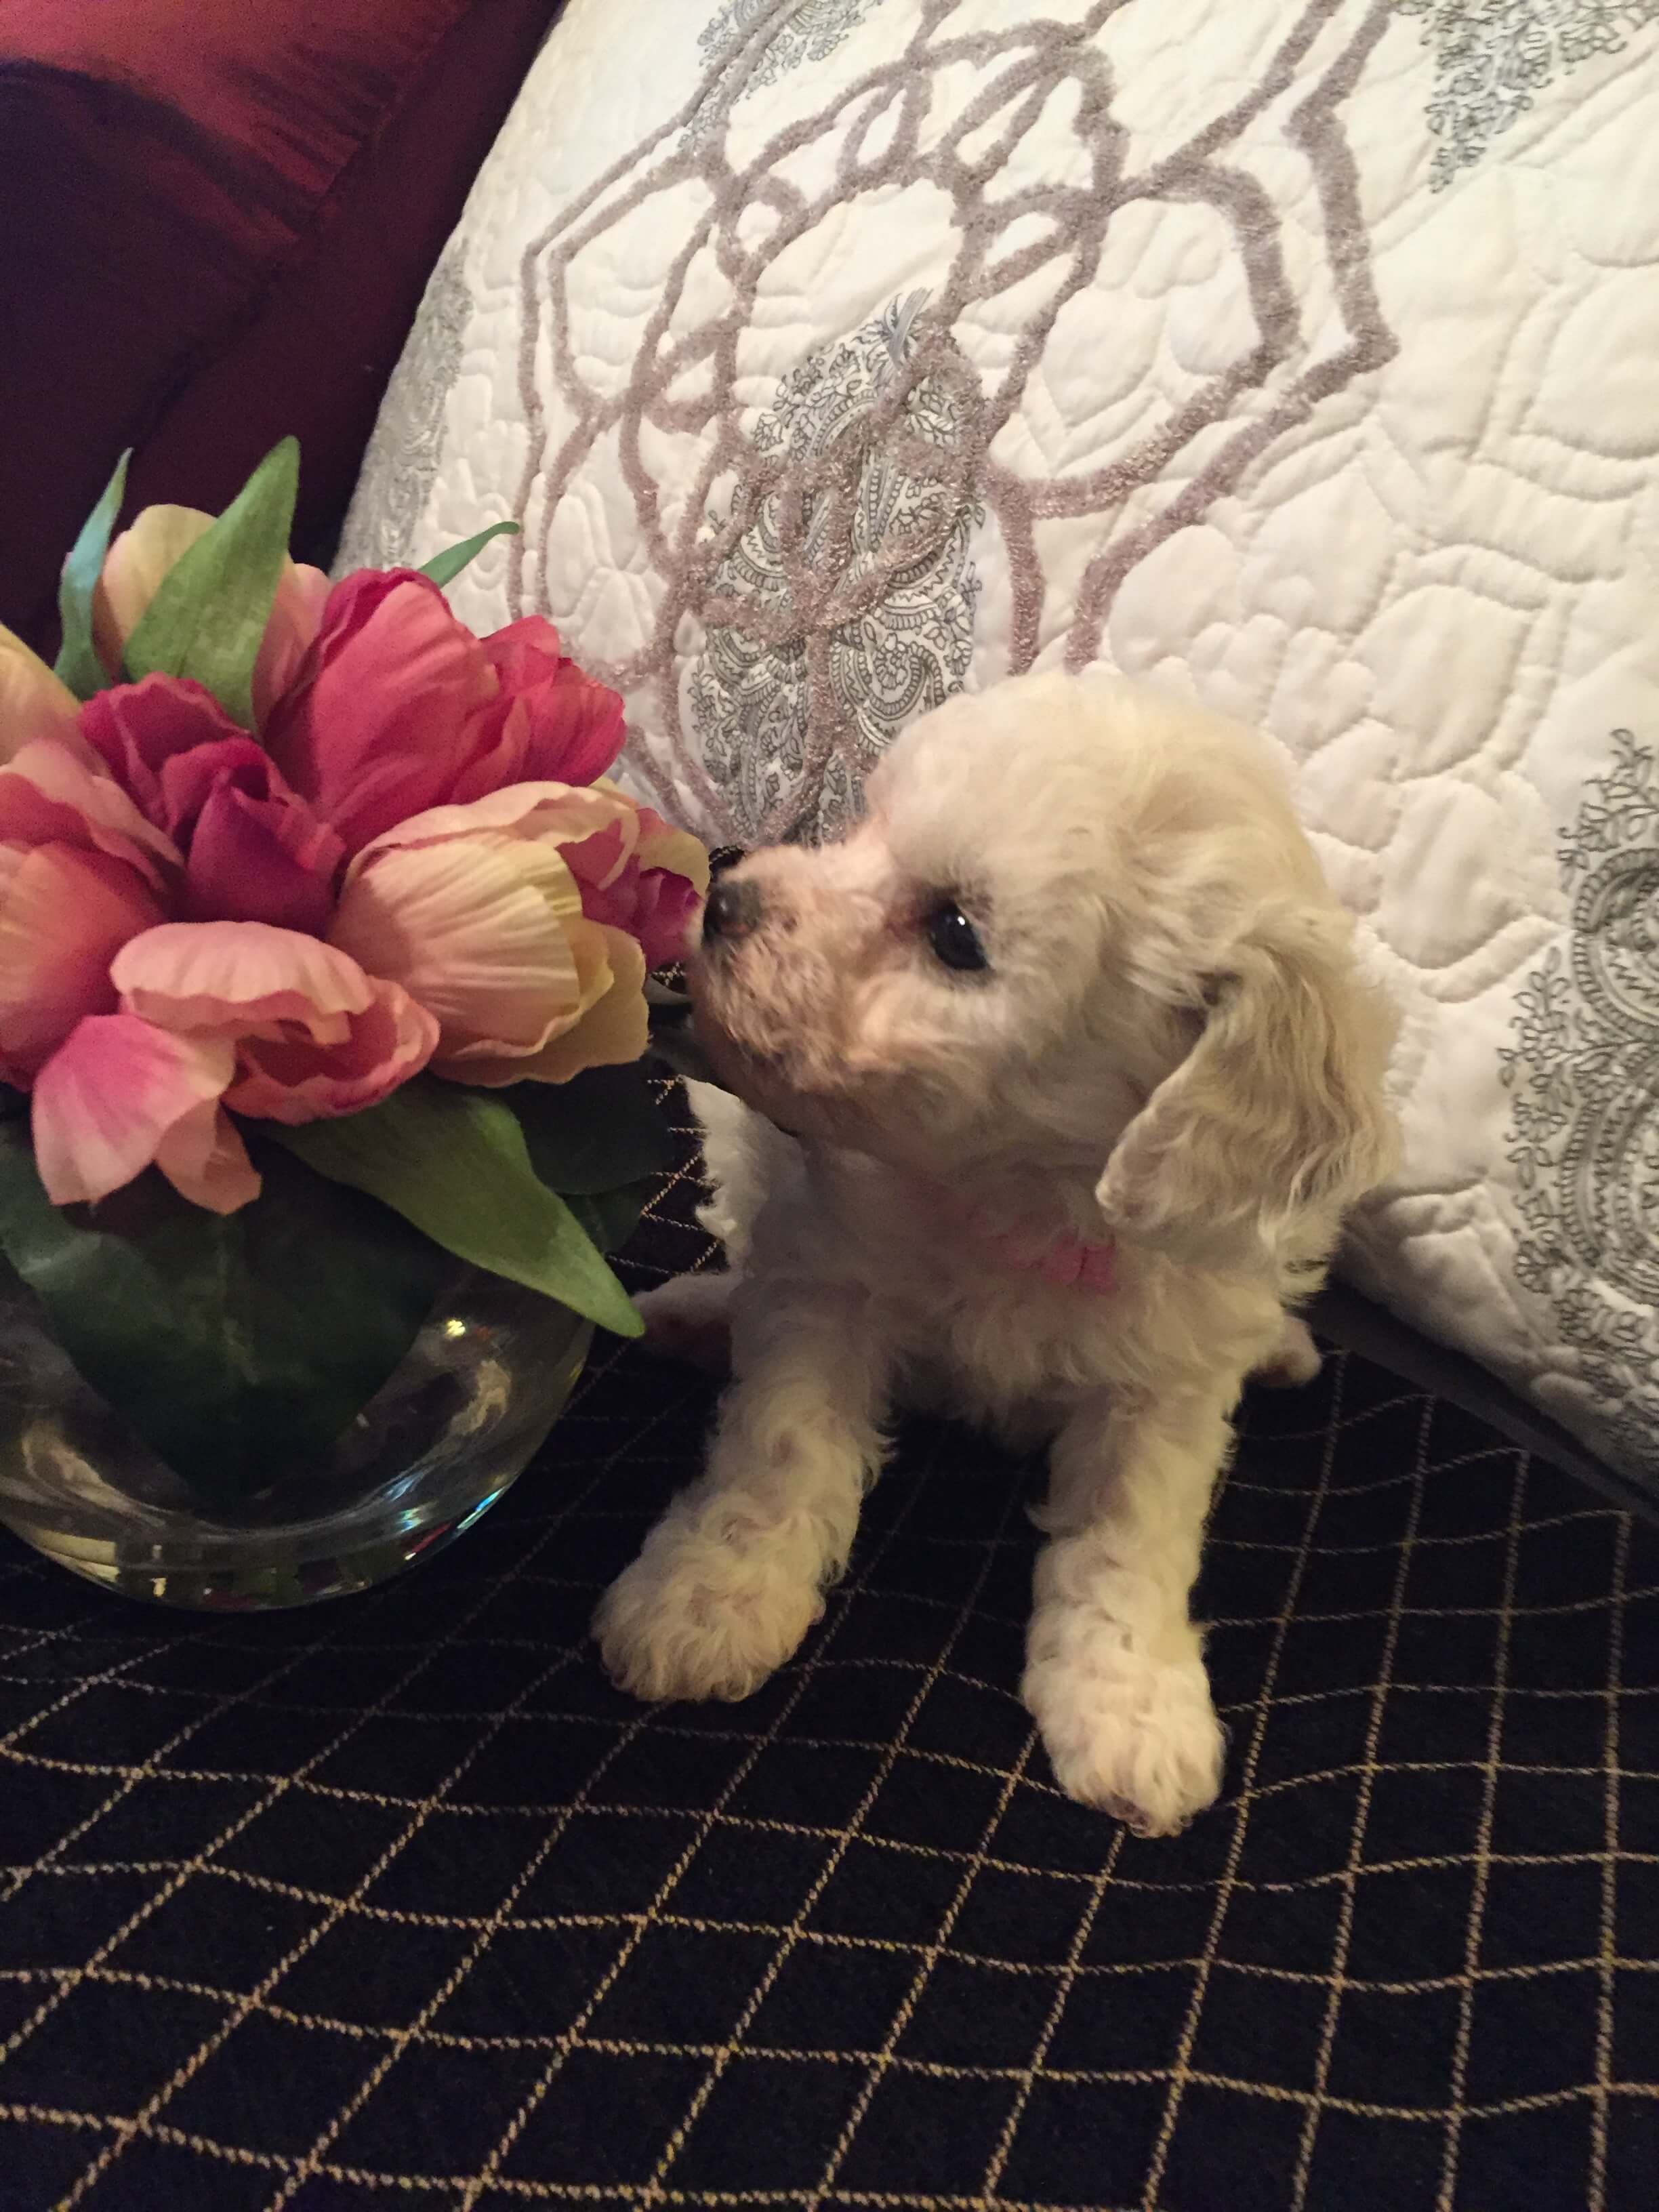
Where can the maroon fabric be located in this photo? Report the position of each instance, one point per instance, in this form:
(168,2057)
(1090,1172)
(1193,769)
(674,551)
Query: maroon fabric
(221,215)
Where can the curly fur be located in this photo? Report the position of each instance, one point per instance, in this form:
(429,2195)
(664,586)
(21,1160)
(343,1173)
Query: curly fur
(1171,1047)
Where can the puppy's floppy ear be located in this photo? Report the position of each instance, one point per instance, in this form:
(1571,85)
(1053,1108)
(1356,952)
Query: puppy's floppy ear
(1275,1121)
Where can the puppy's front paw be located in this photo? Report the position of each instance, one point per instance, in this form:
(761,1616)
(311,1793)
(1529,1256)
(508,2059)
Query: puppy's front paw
(1294,1360)
(1135,1736)
(693,1617)
(689,1318)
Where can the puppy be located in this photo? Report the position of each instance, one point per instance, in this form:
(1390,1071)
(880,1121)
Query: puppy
(1078,1078)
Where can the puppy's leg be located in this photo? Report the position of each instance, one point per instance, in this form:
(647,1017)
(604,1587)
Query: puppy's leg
(1115,1672)
(732,1575)
(746,1160)
(1294,1360)
(688,1317)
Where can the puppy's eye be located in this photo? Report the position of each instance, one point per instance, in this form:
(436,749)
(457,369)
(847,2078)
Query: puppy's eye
(954,939)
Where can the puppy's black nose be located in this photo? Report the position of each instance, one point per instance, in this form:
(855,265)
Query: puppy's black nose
(733,909)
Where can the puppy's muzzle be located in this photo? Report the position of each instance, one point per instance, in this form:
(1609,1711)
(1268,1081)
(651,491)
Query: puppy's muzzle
(733,911)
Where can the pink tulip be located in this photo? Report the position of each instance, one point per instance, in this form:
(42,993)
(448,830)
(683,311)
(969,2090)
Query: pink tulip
(121,1094)
(559,725)
(51,792)
(476,911)
(314,1036)
(254,850)
(416,863)
(397,708)
(140,558)
(295,618)
(81,872)
(639,875)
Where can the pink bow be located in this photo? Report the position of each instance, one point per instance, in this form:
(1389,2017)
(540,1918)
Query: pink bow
(1072,1262)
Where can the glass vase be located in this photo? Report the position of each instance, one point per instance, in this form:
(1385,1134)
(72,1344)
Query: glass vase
(456,1423)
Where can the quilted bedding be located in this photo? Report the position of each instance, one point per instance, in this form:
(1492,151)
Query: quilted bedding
(836,354)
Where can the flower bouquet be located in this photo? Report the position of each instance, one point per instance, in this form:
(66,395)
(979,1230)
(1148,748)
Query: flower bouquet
(323,946)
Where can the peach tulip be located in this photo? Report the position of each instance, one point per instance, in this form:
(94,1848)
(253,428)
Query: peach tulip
(121,1094)
(133,571)
(269,1022)
(314,1035)
(477,912)
(33,703)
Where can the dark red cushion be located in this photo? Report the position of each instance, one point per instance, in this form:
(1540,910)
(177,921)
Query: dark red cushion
(220,217)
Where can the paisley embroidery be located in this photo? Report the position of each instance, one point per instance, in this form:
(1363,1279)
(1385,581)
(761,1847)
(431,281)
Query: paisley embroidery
(751,693)
(402,460)
(809,34)
(1491,56)
(1584,1075)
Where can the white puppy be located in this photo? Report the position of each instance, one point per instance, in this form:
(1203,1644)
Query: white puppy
(1079,1078)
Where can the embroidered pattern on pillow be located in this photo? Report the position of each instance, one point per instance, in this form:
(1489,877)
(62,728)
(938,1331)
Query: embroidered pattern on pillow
(1584,1075)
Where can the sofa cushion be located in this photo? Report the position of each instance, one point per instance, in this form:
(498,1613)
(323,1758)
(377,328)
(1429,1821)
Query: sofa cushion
(219,219)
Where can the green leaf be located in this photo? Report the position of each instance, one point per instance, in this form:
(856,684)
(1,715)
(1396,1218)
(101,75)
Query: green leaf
(455,1164)
(236,1347)
(610,1217)
(78,663)
(602,1128)
(444,567)
(208,617)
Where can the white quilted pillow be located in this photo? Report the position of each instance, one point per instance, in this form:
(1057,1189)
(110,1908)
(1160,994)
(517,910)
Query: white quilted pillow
(836,354)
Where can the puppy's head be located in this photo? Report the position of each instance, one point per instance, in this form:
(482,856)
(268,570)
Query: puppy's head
(1078,933)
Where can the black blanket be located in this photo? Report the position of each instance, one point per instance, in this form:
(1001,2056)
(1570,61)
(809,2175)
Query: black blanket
(398,1902)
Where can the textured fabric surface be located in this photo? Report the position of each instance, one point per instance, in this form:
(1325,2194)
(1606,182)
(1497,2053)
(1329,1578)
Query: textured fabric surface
(399,1902)
(838,354)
